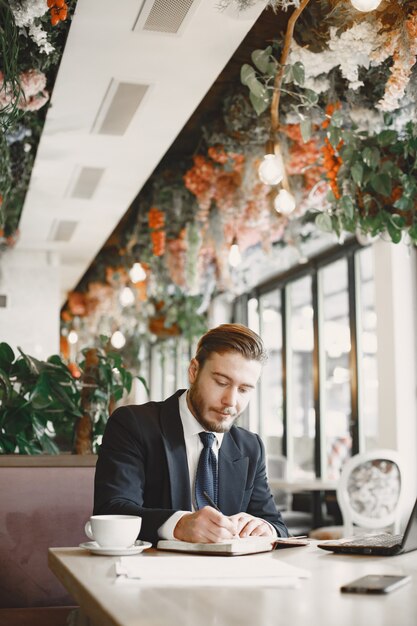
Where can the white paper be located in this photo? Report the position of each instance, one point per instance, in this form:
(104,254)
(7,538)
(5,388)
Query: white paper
(254,571)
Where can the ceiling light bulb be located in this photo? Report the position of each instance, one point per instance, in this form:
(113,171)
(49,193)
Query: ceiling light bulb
(365,5)
(73,337)
(118,340)
(284,202)
(234,254)
(271,170)
(137,273)
(126,297)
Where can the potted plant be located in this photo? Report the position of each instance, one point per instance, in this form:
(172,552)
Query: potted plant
(45,409)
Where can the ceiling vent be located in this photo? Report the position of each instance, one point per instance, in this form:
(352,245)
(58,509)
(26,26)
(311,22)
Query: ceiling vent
(3,301)
(62,230)
(85,182)
(163,16)
(118,107)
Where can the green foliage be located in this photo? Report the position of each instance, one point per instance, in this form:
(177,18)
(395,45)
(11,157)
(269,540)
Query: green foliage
(378,177)
(41,401)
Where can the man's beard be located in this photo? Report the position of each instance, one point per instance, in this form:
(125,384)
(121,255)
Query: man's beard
(197,405)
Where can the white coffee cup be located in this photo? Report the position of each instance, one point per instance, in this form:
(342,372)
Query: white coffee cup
(113,531)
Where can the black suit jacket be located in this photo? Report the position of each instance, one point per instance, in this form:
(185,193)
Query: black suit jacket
(142,469)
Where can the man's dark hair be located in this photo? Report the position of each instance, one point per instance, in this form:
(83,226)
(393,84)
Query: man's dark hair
(231,338)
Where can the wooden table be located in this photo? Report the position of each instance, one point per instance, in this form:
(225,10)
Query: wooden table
(317,602)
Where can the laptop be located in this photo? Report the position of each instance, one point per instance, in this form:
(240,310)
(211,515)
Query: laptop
(383,544)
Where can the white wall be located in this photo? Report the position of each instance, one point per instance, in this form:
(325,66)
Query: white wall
(31,282)
(396,306)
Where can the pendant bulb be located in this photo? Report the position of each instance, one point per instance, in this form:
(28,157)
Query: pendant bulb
(365,5)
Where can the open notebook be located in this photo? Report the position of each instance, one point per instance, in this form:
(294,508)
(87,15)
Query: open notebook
(249,545)
(382,544)
(234,547)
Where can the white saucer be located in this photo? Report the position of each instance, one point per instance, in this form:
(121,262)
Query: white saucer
(94,548)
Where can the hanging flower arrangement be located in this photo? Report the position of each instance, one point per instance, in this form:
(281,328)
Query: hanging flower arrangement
(32,39)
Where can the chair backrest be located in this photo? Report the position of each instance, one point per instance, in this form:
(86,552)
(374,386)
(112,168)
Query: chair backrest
(370,491)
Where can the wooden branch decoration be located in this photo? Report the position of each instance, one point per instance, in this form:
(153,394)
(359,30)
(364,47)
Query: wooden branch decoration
(280,75)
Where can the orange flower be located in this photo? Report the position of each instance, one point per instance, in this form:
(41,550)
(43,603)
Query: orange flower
(156,218)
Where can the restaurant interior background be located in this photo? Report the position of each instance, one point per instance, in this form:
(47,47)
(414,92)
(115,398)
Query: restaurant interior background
(128,189)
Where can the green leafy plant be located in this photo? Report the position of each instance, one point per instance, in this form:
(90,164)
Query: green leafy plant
(43,407)
(38,399)
(377,181)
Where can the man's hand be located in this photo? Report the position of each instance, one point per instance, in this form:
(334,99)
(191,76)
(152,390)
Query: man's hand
(250,526)
(205,526)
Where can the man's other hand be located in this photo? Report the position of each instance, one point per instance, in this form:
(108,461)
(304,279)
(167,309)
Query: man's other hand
(206,526)
(250,526)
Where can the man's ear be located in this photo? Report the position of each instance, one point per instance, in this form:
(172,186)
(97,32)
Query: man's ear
(193,371)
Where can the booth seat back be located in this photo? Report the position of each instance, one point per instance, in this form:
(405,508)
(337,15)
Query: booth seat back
(40,507)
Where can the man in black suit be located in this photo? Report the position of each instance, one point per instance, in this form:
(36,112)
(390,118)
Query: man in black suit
(149,455)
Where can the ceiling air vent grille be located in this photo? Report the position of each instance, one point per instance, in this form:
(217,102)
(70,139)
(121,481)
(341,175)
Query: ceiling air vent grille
(62,230)
(164,16)
(118,107)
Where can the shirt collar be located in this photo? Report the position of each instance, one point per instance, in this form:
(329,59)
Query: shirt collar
(190,425)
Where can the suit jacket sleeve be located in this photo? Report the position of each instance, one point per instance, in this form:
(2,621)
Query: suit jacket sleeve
(261,503)
(120,486)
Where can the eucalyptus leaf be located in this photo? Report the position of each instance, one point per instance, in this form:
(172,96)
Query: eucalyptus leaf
(298,73)
(246,73)
(311,96)
(256,87)
(337,119)
(262,60)
(324,222)
(259,104)
(357,173)
(348,207)
(306,129)
(335,135)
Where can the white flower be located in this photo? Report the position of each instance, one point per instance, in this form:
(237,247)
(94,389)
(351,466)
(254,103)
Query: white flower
(350,50)
(25,13)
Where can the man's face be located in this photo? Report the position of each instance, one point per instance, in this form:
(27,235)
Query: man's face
(221,389)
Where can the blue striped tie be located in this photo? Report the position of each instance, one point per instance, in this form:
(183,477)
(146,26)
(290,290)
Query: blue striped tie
(206,477)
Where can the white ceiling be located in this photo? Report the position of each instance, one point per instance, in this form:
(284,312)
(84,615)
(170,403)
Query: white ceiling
(104,49)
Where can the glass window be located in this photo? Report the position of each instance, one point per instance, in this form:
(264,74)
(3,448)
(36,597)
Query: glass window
(335,368)
(300,401)
(271,389)
(367,350)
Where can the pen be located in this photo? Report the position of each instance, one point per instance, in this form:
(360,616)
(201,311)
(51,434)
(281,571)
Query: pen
(298,537)
(210,501)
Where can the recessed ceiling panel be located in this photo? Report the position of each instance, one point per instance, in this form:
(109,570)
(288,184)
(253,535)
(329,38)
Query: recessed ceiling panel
(86,182)
(118,107)
(62,230)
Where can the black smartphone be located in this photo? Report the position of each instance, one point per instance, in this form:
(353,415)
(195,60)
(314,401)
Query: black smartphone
(375,583)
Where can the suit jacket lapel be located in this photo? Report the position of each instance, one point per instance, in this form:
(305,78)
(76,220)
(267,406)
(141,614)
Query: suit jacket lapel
(233,470)
(173,436)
